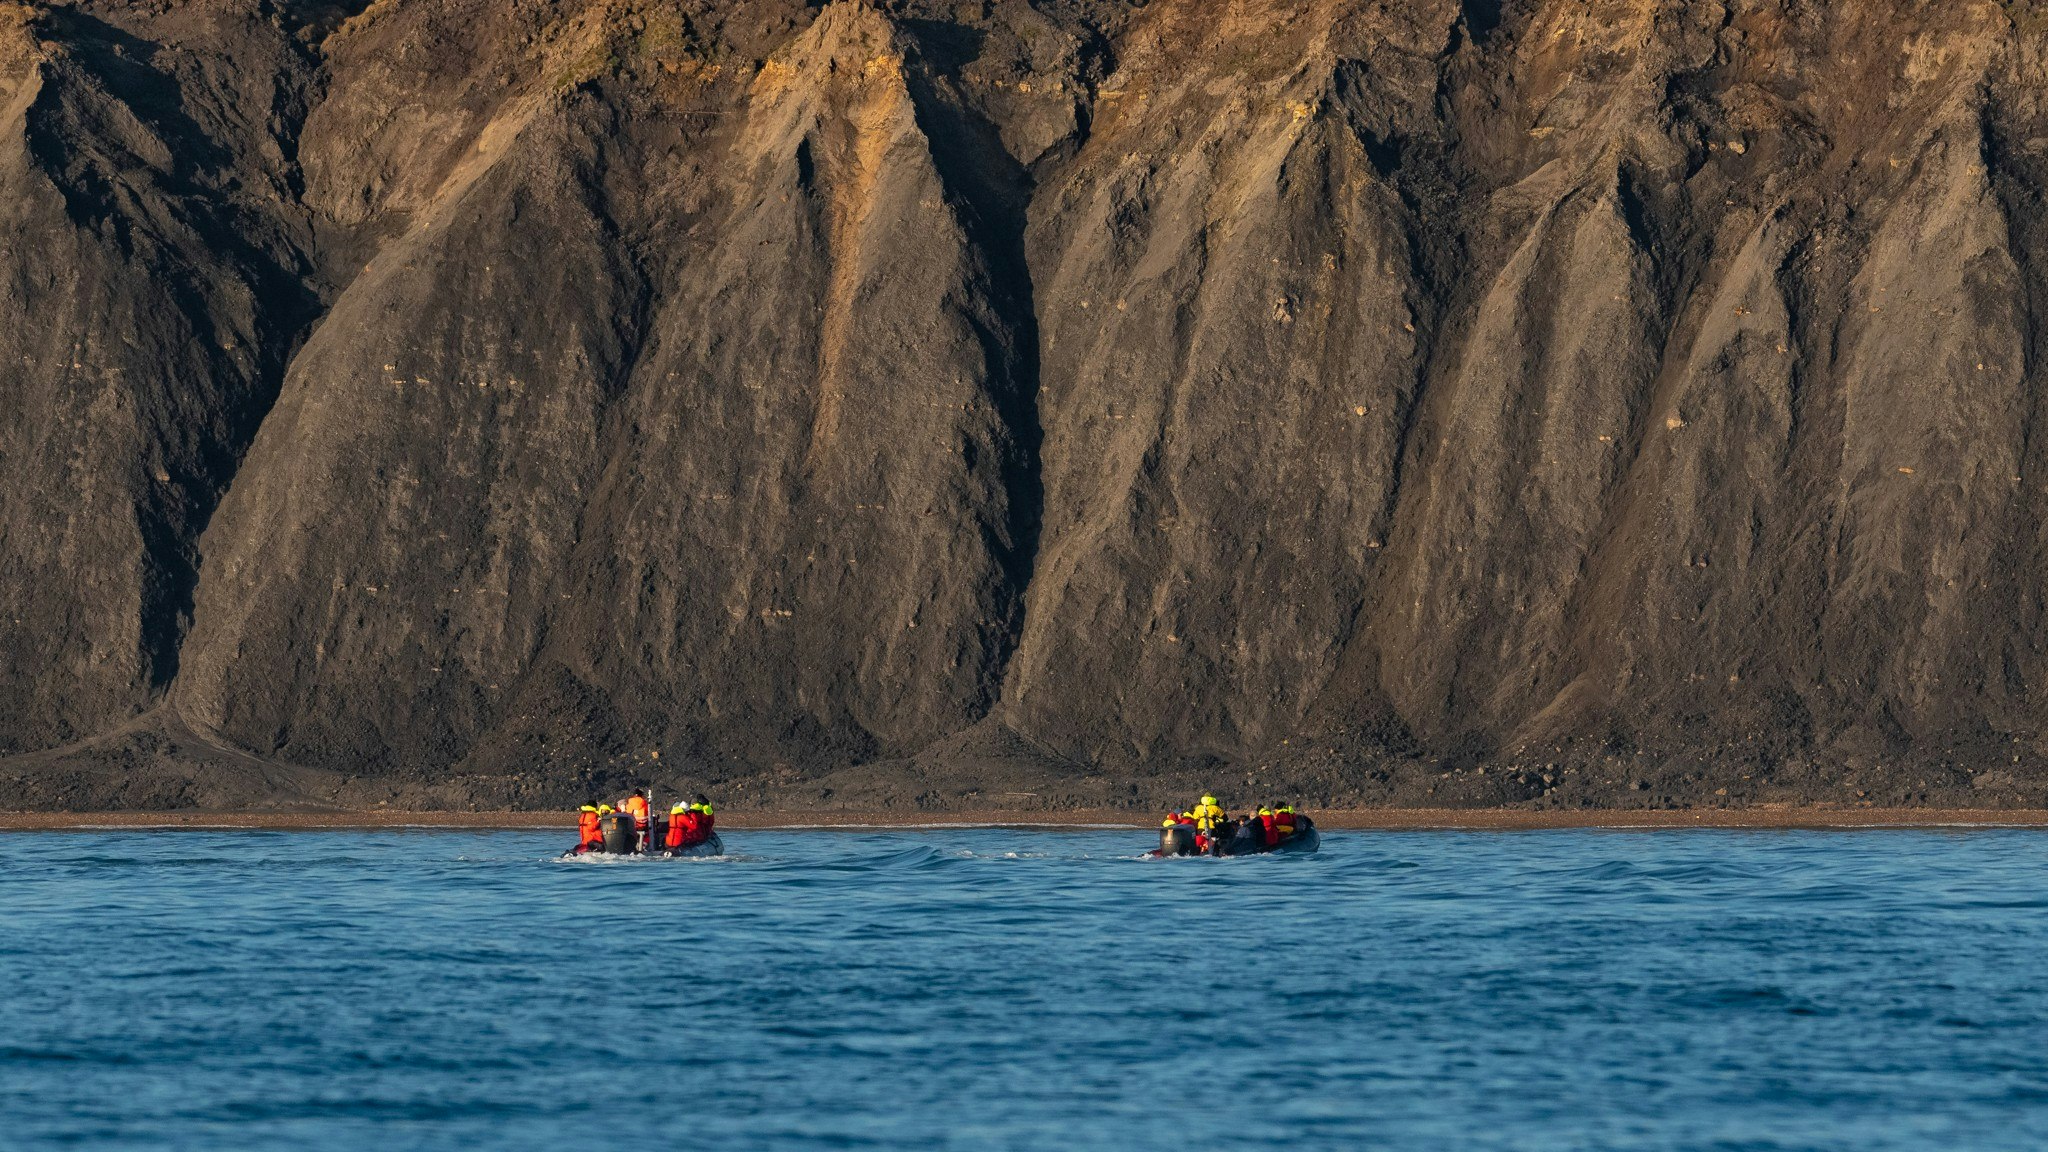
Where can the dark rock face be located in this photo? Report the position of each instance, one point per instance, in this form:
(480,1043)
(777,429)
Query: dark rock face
(150,291)
(1413,402)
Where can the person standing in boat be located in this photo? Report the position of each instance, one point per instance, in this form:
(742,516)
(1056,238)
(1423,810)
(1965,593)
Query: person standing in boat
(636,807)
(1209,818)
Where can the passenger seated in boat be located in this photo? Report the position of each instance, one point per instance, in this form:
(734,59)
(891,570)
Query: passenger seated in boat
(1283,823)
(589,829)
(689,824)
(682,823)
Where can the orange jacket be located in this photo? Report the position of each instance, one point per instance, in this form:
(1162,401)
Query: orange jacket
(588,828)
(637,805)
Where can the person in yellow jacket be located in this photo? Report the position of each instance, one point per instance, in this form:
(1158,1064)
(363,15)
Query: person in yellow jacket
(1209,818)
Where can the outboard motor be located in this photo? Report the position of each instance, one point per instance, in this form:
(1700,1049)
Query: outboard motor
(1219,837)
(1176,840)
(618,834)
(657,832)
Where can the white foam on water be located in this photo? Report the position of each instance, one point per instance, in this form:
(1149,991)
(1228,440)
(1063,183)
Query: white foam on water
(611,860)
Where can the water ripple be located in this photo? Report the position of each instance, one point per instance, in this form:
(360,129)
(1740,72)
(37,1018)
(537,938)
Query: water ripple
(984,988)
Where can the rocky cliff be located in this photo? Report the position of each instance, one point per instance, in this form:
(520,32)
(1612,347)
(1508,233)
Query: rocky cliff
(1399,401)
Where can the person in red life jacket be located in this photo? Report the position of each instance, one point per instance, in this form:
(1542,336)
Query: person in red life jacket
(1284,823)
(1266,825)
(589,831)
(704,821)
(680,827)
(689,825)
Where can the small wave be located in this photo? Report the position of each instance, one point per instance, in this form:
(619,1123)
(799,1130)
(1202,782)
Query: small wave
(918,857)
(1605,870)
(27,1055)
(18,1055)
(111,863)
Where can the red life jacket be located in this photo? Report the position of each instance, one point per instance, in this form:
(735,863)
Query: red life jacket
(680,825)
(699,829)
(587,827)
(1272,834)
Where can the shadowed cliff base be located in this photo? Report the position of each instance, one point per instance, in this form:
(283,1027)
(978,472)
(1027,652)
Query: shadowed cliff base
(158,764)
(904,406)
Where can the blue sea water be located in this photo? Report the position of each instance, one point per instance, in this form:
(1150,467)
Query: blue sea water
(994,988)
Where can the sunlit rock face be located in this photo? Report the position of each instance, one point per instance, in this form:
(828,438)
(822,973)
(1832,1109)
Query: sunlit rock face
(449,389)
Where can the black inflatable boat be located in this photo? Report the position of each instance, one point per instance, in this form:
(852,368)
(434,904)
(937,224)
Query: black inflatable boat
(1235,839)
(622,839)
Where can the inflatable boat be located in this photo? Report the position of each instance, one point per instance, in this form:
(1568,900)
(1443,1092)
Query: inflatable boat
(622,839)
(1236,839)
